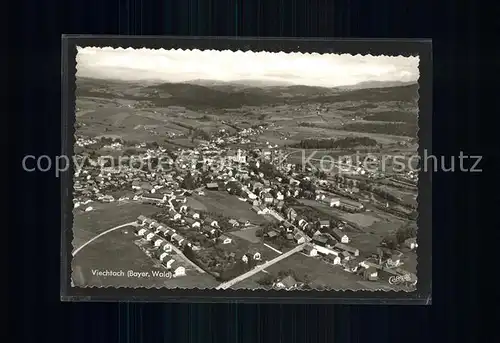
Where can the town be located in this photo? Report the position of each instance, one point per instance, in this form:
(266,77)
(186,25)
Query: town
(233,211)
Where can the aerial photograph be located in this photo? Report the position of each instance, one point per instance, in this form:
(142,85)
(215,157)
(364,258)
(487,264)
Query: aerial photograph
(245,170)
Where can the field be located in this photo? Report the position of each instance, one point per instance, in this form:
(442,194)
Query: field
(116,251)
(362,220)
(128,109)
(87,225)
(227,205)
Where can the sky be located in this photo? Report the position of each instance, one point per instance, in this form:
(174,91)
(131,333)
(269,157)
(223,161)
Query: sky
(324,70)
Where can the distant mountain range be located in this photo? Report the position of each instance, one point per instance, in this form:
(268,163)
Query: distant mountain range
(242,84)
(377,84)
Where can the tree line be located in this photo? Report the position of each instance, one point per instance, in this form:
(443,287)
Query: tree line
(396,129)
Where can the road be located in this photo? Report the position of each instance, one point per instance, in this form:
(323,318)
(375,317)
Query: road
(260,268)
(181,254)
(134,223)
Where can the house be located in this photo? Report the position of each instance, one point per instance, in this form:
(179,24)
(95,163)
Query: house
(332,202)
(251,195)
(272,234)
(178,239)
(333,259)
(280,196)
(260,209)
(411,243)
(141,219)
(224,239)
(348,249)
(340,236)
(267,197)
(368,264)
(142,232)
(280,205)
(161,255)
(299,239)
(174,237)
(167,233)
(302,222)
(208,230)
(212,186)
(233,222)
(194,215)
(309,250)
(320,240)
(183,208)
(181,200)
(291,214)
(167,247)
(150,236)
(286,283)
(158,242)
(254,254)
(212,222)
(324,224)
(345,256)
(177,216)
(370,274)
(176,269)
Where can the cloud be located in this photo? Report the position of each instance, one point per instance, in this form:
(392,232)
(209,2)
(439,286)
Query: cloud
(328,70)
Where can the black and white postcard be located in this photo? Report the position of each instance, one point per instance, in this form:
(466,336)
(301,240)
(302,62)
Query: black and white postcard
(245,170)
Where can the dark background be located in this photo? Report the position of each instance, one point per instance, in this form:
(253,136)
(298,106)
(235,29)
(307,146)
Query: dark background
(33,85)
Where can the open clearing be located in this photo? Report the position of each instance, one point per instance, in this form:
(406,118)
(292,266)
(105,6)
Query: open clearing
(247,234)
(87,225)
(116,251)
(361,219)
